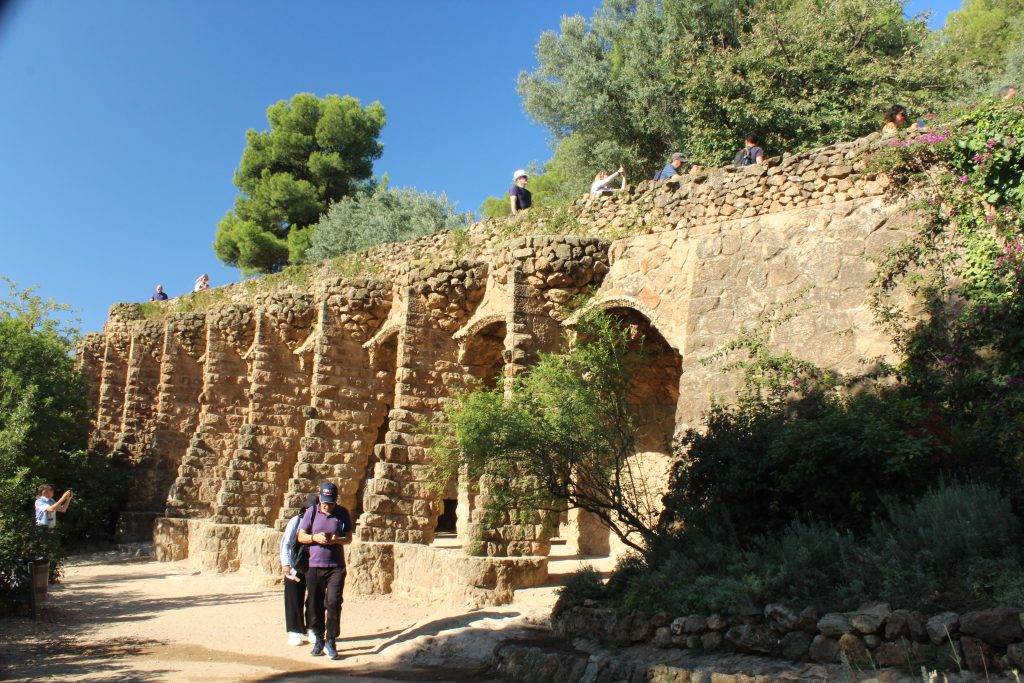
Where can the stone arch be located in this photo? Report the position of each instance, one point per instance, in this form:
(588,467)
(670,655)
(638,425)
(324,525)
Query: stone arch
(482,353)
(654,390)
(621,303)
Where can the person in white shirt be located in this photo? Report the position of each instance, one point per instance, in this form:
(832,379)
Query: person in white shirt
(603,179)
(47,508)
(294,578)
(202,282)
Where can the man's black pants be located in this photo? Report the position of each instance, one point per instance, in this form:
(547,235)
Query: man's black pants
(324,586)
(294,609)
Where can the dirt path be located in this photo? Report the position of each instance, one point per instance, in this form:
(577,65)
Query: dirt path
(151,621)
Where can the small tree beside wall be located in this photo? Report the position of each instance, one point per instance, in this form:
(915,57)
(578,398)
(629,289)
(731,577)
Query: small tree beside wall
(563,437)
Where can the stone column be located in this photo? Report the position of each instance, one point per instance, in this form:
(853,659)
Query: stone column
(344,411)
(141,388)
(177,415)
(268,444)
(399,504)
(224,406)
(90,364)
(110,406)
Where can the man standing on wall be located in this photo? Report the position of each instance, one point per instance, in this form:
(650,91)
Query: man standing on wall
(325,528)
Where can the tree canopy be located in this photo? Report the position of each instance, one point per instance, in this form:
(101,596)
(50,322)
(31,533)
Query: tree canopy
(379,215)
(644,78)
(317,151)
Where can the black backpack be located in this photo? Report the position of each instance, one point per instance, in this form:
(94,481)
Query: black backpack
(299,559)
(743,157)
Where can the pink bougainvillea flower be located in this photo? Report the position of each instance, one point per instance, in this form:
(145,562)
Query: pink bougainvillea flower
(963,179)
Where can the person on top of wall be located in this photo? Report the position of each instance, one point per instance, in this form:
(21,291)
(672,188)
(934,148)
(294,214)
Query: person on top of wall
(47,508)
(603,179)
(751,153)
(294,565)
(325,528)
(159,294)
(202,282)
(519,197)
(1008,92)
(673,167)
(895,119)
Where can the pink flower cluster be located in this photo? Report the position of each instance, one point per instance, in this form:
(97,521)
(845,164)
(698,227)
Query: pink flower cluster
(932,138)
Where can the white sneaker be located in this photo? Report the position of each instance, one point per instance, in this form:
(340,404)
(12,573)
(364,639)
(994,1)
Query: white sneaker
(310,636)
(294,638)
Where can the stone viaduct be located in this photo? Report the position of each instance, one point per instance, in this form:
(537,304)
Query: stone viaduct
(231,412)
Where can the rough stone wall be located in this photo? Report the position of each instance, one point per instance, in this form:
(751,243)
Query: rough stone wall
(337,380)
(224,407)
(347,399)
(399,504)
(268,442)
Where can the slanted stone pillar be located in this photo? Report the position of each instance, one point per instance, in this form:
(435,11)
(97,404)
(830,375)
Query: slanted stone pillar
(268,443)
(140,392)
(224,406)
(399,504)
(90,363)
(177,415)
(345,409)
(110,406)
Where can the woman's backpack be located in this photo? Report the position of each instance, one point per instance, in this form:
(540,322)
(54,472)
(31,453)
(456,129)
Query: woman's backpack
(299,558)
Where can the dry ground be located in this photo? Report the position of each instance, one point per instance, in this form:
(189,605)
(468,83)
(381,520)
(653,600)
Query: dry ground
(152,621)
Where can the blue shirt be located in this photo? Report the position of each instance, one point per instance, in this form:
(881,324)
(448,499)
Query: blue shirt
(43,516)
(523,197)
(316,522)
(666,173)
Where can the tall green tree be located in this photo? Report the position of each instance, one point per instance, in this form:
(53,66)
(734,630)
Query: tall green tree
(317,151)
(644,78)
(979,38)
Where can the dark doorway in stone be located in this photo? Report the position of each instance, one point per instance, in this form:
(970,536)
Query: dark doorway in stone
(446,523)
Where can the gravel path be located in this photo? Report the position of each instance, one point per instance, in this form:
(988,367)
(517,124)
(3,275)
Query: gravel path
(153,621)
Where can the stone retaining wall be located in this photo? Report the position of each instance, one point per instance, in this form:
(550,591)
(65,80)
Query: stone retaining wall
(983,641)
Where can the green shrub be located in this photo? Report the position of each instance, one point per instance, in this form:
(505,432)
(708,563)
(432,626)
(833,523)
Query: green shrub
(956,547)
(379,216)
(44,418)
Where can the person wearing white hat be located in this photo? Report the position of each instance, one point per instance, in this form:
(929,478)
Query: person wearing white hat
(519,197)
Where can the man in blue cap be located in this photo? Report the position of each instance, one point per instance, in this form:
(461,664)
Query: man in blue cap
(325,528)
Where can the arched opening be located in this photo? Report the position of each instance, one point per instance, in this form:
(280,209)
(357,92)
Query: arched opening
(385,361)
(484,359)
(654,394)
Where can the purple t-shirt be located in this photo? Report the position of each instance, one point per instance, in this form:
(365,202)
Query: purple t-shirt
(316,522)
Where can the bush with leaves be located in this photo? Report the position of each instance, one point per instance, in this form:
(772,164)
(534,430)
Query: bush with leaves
(44,421)
(957,547)
(379,216)
(564,437)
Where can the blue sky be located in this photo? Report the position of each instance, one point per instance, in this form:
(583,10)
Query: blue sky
(122,121)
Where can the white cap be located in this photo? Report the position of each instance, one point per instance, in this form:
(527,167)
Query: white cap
(518,174)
